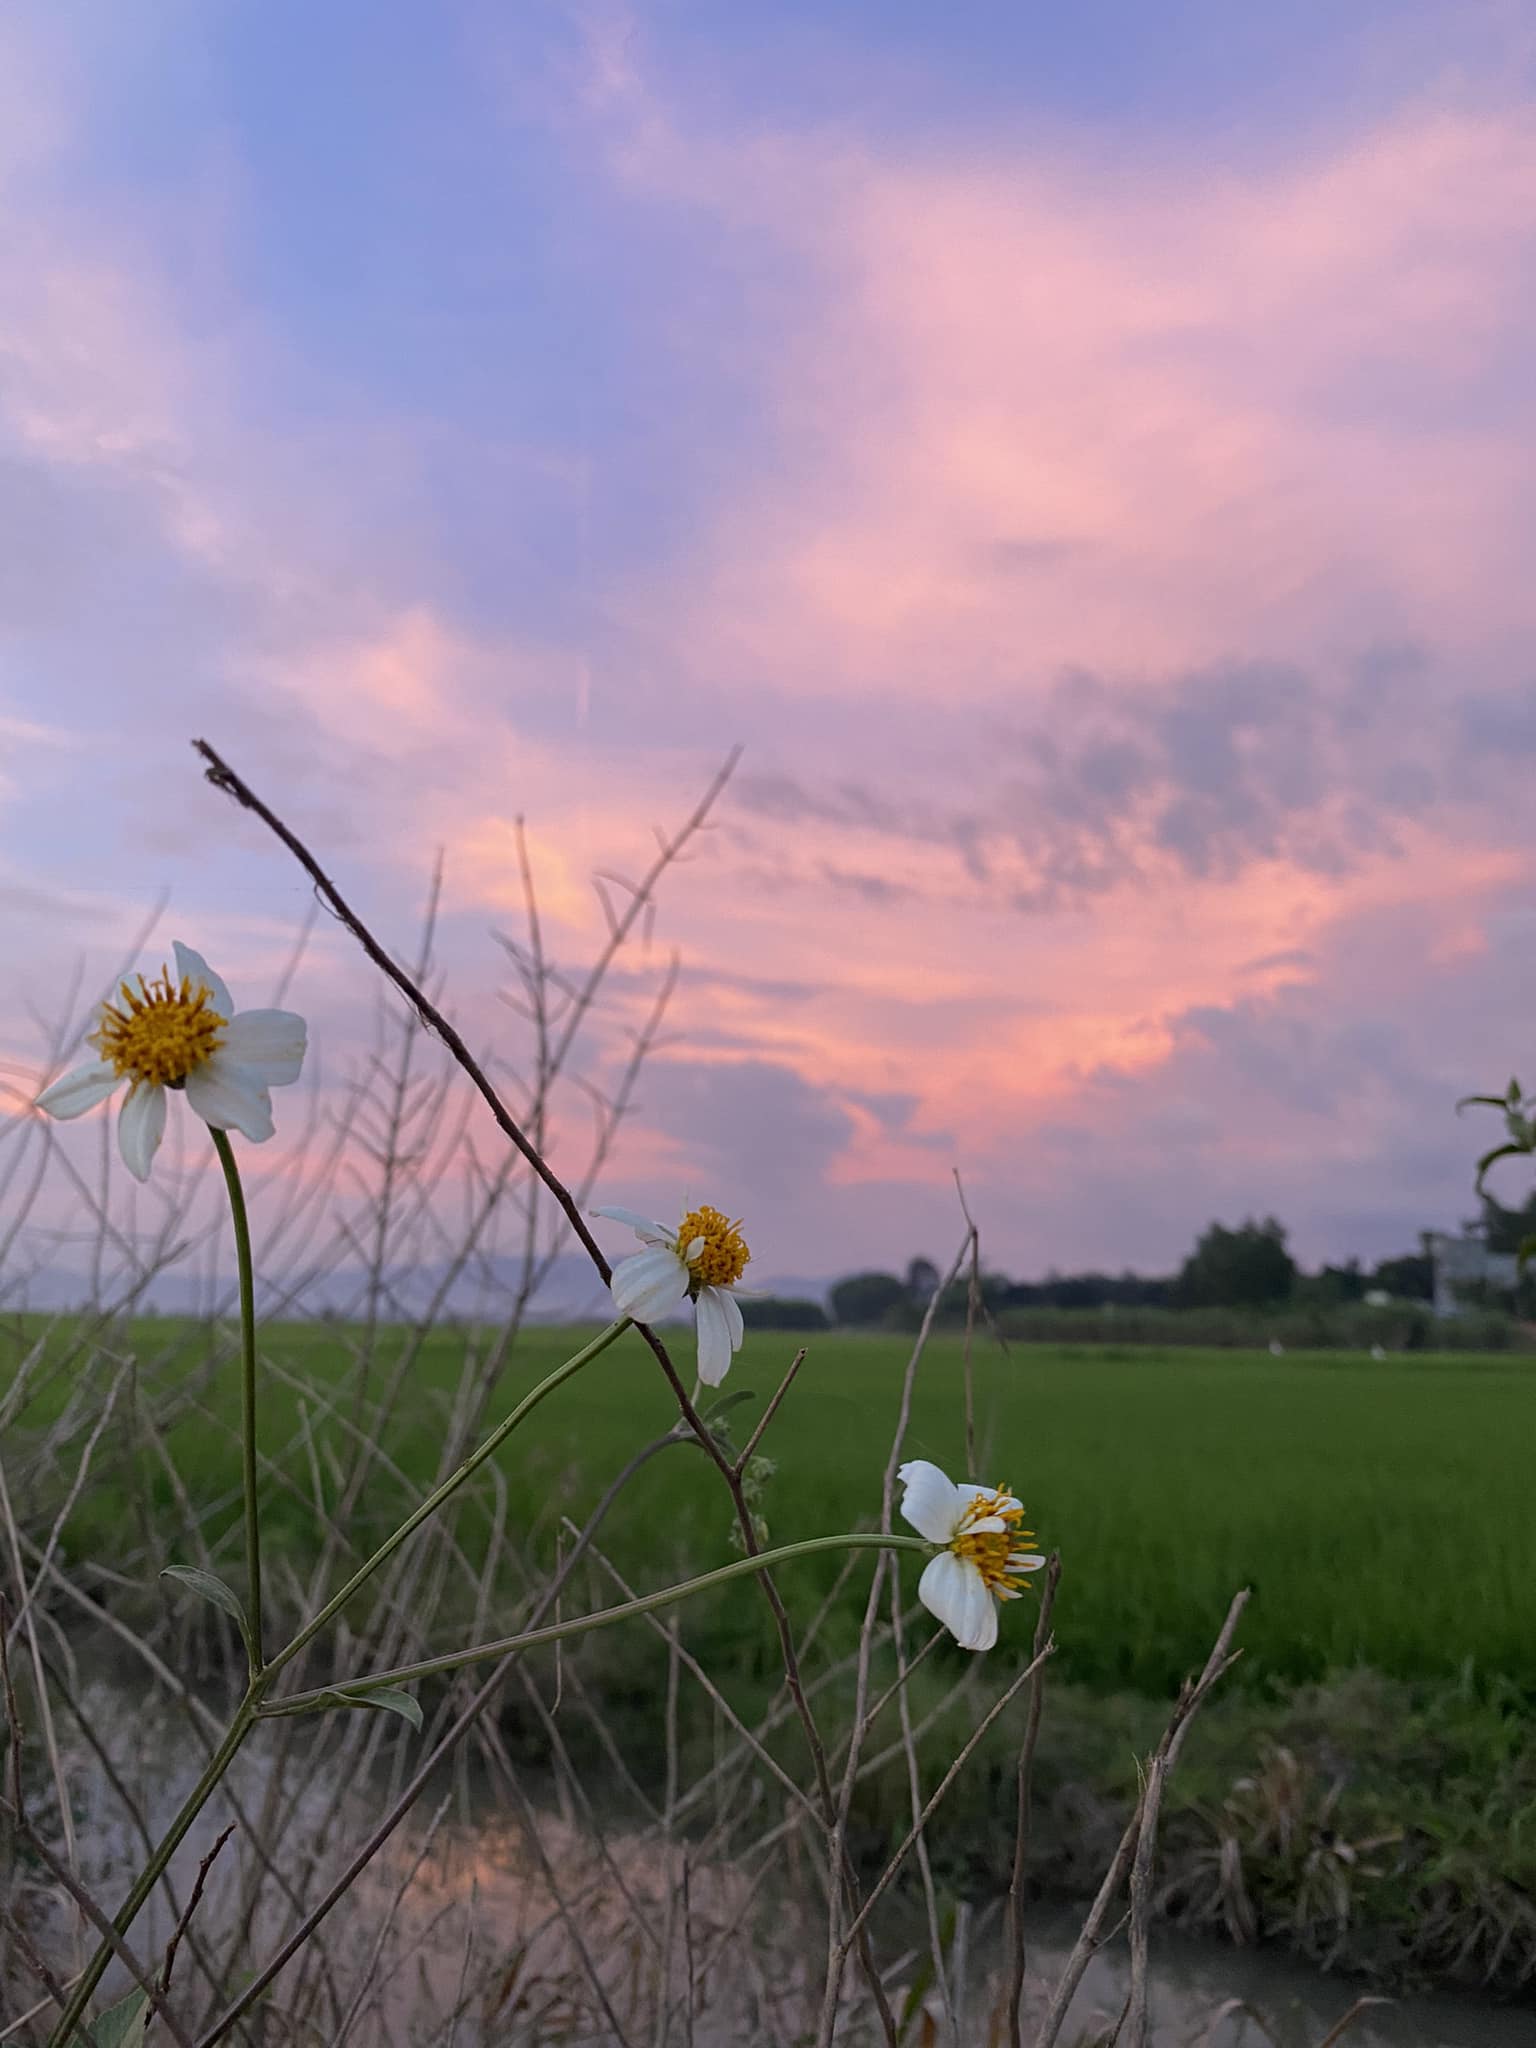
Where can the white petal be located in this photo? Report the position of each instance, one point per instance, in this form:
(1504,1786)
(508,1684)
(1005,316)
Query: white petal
(715,1345)
(931,1503)
(647,1231)
(648,1284)
(957,1593)
(74,1093)
(268,1043)
(193,967)
(985,1525)
(225,1095)
(1024,1561)
(732,1309)
(141,1126)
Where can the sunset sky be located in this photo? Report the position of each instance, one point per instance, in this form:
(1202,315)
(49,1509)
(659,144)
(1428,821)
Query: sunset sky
(1083,455)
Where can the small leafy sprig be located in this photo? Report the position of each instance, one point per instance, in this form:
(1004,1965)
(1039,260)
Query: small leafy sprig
(1519,1113)
(1519,1124)
(755,1476)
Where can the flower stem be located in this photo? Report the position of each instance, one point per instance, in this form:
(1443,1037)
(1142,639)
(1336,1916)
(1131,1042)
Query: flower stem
(450,1485)
(351,1689)
(64,2034)
(226,1154)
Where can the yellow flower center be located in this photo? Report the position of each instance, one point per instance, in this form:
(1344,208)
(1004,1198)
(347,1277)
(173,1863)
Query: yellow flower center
(722,1258)
(159,1033)
(990,1549)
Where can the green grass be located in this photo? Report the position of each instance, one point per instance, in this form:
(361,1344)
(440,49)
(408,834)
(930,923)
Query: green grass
(1383,1512)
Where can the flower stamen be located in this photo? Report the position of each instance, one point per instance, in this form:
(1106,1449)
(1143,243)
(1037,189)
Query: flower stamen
(712,1248)
(161,1032)
(992,1551)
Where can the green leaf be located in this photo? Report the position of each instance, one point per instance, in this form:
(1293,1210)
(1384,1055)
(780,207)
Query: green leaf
(1492,1102)
(393,1701)
(213,1589)
(725,1404)
(1488,1158)
(388,1699)
(1525,1253)
(121,2025)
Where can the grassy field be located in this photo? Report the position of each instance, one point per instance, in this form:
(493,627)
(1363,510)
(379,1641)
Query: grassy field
(1383,1512)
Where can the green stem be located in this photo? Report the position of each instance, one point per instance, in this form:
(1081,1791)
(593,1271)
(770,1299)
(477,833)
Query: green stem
(226,1154)
(450,1485)
(64,2034)
(455,1660)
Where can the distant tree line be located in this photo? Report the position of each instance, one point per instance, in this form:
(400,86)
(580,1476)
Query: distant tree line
(1242,1266)
(1246,1266)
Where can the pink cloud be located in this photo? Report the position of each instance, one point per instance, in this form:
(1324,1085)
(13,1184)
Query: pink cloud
(1042,442)
(1034,412)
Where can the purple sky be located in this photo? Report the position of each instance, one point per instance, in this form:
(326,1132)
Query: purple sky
(1084,457)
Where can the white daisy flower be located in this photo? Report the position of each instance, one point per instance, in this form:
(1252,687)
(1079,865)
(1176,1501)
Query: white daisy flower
(703,1259)
(978,1527)
(182,1034)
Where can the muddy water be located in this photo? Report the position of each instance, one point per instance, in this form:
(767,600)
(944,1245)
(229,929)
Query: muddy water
(536,1928)
(1271,2000)
(1205,1996)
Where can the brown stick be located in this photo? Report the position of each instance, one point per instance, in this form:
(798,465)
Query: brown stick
(972,1303)
(887,1875)
(192,1905)
(770,1411)
(223,777)
(1228,2009)
(1341,2027)
(35,1963)
(1014,2035)
(136,1969)
(1137,2021)
(1190,1701)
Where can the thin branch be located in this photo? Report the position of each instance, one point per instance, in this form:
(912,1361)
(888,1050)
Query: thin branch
(1190,1701)
(1137,2026)
(887,1876)
(193,1902)
(1357,2011)
(1014,2034)
(223,777)
(770,1411)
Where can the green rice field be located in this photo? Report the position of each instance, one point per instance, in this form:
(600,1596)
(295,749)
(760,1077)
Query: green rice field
(1384,1513)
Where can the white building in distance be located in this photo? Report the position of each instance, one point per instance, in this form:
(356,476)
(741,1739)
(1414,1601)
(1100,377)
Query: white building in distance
(1459,1261)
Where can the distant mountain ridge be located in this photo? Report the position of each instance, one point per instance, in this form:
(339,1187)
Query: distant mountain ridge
(483,1291)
